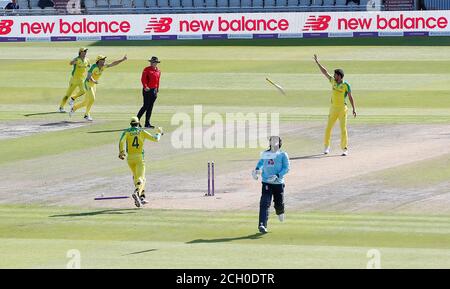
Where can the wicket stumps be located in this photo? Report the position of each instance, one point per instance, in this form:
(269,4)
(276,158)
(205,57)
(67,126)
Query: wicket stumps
(210,178)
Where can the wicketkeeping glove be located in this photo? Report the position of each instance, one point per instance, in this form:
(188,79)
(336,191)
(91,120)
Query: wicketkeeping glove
(255,174)
(160,130)
(272,179)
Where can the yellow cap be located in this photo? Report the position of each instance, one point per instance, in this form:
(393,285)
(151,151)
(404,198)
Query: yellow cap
(82,49)
(100,57)
(134,119)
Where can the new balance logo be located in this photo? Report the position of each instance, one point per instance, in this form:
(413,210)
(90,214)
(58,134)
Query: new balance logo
(5,26)
(318,23)
(160,25)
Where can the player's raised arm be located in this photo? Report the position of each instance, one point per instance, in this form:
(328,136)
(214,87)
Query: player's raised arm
(156,137)
(322,69)
(114,63)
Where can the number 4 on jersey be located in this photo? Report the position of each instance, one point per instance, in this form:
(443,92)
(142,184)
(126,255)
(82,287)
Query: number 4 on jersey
(136,142)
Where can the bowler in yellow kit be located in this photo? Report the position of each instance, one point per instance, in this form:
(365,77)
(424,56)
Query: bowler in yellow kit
(90,84)
(131,144)
(338,110)
(80,66)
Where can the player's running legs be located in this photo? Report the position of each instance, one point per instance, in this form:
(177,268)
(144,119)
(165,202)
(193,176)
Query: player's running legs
(133,164)
(81,92)
(140,181)
(69,92)
(278,200)
(137,167)
(264,207)
(72,86)
(88,102)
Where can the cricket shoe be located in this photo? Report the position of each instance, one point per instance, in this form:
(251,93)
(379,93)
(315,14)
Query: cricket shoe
(345,152)
(88,118)
(71,102)
(262,229)
(326,151)
(61,110)
(143,200)
(137,201)
(281,217)
(149,126)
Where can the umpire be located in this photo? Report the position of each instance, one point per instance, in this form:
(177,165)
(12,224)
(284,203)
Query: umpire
(150,87)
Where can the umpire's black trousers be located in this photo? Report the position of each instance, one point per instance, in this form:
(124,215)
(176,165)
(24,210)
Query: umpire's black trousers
(147,107)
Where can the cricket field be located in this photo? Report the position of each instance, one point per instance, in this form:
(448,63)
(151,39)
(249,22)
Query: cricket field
(387,203)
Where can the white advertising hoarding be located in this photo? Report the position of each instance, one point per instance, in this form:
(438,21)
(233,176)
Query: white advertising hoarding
(223,26)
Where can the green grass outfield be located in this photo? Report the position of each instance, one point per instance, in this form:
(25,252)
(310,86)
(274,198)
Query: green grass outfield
(391,84)
(40,237)
(394,80)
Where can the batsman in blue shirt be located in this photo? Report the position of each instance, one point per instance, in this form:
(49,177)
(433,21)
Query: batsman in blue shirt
(272,167)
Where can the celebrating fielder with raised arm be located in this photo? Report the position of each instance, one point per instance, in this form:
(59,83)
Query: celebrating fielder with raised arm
(272,166)
(132,144)
(90,84)
(338,110)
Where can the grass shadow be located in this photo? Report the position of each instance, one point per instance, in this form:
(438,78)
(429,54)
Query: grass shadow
(220,240)
(316,156)
(95,213)
(43,113)
(61,123)
(141,252)
(105,131)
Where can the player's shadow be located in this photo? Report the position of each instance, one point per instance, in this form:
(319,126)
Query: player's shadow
(95,213)
(141,252)
(62,123)
(316,156)
(221,240)
(42,113)
(105,131)
(309,157)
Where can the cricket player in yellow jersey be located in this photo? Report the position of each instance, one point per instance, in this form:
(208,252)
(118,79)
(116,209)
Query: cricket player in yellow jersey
(80,66)
(131,144)
(338,110)
(90,84)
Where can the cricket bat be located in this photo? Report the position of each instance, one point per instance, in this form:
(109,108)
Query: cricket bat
(277,86)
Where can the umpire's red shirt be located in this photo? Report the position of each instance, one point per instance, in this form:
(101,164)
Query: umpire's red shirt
(150,77)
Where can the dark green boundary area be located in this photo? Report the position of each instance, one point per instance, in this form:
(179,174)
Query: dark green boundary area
(362,41)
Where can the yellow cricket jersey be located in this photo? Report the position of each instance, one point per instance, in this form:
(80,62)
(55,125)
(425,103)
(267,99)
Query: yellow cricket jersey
(79,68)
(95,72)
(340,92)
(133,138)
